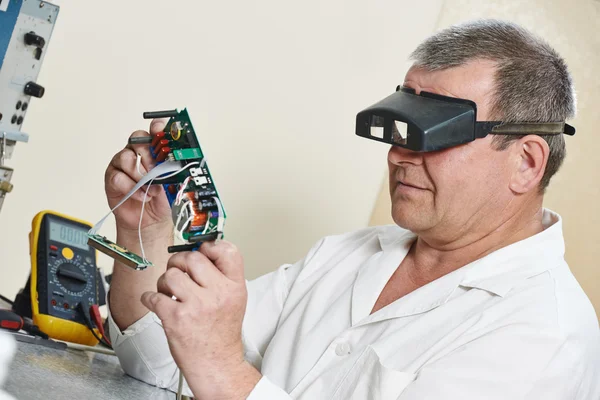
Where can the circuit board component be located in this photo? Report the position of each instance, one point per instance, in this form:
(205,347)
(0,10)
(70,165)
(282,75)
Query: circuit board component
(197,211)
(117,252)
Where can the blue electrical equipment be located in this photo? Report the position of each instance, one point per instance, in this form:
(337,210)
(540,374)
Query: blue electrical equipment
(25,30)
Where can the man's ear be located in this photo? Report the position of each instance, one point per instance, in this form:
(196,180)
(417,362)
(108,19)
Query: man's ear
(531,156)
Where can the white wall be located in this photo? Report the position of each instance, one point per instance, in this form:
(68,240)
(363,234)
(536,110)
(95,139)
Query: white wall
(571,26)
(273,88)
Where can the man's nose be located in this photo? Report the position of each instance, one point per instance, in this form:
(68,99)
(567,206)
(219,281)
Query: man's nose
(398,155)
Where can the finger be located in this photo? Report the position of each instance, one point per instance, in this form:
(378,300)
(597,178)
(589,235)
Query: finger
(176,283)
(198,267)
(118,184)
(124,162)
(158,125)
(143,150)
(226,257)
(160,304)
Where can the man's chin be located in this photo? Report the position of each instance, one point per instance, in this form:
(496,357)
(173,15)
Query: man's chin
(410,220)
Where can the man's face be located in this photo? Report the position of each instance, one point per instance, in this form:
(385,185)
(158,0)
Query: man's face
(450,192)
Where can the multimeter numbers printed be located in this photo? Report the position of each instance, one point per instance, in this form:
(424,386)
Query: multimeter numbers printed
(72,277)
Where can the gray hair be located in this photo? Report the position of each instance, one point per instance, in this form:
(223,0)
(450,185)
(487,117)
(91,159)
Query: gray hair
(532,81)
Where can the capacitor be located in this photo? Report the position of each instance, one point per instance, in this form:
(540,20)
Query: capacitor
(205,192)
(207,204)
(159,136)
(163,153)
(160,145)
(176,130)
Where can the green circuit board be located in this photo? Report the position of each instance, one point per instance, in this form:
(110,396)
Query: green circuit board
(198,213)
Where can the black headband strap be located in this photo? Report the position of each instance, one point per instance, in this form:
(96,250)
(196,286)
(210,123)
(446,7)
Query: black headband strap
(484,128)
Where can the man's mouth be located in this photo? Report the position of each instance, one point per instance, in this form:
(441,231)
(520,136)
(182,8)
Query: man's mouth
(409,185)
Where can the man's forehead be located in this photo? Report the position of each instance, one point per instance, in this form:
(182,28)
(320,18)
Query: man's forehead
(473,80)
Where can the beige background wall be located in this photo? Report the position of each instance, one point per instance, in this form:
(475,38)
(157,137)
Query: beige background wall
(273,87)
(571,26)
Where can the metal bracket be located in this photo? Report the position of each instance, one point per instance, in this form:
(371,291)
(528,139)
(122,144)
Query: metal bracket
(5,185)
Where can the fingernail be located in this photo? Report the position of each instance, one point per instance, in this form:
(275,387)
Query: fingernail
(156,123)
(142,196)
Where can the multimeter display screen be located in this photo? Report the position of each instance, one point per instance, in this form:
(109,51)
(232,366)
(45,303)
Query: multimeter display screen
(69,235)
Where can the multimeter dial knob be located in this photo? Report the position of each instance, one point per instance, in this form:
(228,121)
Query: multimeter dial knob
(71,277)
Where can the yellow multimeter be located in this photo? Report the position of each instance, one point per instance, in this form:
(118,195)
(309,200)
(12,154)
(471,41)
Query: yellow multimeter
(63,276)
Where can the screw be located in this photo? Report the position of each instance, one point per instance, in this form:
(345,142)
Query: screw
(41,4)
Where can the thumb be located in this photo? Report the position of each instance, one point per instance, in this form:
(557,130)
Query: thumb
(226,257)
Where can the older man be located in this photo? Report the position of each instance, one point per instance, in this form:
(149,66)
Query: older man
(468,297)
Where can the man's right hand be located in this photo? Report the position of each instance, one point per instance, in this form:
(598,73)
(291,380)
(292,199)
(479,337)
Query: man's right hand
(122,175)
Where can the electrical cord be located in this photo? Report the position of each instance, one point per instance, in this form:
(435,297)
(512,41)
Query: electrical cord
(6,300)
(182,189)
(81,307)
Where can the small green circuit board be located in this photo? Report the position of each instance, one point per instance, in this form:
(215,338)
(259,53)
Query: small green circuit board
(117,252)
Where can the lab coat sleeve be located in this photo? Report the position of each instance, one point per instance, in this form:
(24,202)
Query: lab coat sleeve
(267,390)
(143,349)
(516,362)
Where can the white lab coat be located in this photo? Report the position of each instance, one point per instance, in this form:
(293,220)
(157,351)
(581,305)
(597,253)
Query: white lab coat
(512,325)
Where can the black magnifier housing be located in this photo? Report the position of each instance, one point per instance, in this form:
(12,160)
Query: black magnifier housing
(431,122)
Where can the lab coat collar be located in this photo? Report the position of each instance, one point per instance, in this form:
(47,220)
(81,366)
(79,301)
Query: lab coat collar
(497,272)
(501,270)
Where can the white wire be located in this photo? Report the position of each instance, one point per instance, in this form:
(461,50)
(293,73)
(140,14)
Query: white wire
(207,224)
(180,215)
(183,187)
(177,172)
(221,221)
(141,217)
(138,163)
(185,224)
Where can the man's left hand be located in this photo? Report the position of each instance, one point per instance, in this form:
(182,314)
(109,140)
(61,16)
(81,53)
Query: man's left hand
(203,324)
